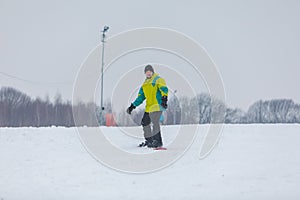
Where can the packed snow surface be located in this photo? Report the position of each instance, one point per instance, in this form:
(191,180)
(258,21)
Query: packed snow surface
(249,162)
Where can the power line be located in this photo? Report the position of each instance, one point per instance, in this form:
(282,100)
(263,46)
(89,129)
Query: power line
(35,82)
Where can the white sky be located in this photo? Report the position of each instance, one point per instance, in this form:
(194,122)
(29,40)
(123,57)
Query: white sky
(255,44)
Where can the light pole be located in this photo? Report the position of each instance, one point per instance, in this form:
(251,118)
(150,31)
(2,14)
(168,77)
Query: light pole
(105,29)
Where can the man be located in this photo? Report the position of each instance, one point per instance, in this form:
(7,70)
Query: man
(155,91)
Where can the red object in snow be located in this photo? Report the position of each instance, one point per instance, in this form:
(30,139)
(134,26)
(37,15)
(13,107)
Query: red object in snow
(110,121)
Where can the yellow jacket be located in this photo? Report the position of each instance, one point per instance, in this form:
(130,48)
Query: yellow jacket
(152,90)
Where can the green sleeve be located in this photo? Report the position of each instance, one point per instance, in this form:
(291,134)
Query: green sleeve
(162,86)
(141,97)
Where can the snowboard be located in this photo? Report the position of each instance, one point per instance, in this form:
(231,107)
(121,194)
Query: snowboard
(160,148)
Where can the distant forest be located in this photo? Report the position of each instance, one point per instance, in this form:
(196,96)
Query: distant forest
(18,109)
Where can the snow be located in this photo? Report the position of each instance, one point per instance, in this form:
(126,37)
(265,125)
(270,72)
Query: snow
(249,162)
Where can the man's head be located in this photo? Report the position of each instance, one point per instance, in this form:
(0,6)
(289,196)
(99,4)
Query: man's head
(149,71)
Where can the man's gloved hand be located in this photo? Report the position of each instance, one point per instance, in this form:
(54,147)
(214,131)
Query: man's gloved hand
(164,100)
(130,109)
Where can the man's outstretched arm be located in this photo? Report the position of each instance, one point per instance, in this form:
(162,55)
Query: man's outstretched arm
(138,101)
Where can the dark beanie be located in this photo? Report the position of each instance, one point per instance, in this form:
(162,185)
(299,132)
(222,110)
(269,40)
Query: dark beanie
(149,68)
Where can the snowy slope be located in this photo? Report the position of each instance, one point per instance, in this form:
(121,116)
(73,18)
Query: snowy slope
(250,162)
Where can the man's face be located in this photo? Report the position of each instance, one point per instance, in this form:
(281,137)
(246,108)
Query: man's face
(149,74)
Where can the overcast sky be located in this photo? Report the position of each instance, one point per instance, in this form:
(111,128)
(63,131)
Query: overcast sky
(255,44)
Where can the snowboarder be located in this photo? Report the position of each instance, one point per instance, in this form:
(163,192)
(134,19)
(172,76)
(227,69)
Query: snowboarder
(155,91)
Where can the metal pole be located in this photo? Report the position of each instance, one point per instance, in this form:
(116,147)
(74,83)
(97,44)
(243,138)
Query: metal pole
(105,29)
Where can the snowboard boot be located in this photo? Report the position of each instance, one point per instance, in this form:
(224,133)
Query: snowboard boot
(147,142)
(156,141)
(144,144)
(155,144)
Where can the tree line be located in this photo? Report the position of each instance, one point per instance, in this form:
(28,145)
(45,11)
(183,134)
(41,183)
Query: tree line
(18,109)
(204,109)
